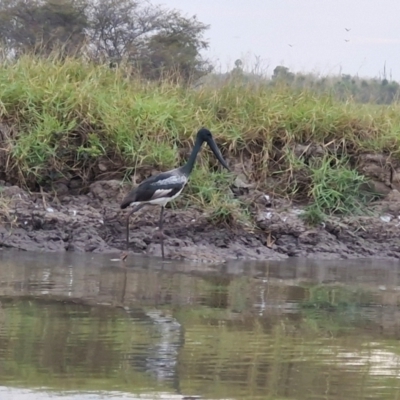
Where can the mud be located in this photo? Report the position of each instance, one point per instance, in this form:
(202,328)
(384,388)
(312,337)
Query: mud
(93,222)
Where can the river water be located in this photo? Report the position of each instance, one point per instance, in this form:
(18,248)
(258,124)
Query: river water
(84,327)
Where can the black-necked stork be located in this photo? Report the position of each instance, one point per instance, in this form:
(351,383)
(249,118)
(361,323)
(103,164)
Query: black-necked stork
(162,188)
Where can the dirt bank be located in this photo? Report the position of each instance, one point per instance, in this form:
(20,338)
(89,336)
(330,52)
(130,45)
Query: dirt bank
(94,223)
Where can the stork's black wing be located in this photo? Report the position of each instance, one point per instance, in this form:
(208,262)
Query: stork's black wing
(166,184)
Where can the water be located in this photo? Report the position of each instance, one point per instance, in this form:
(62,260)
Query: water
(82,327)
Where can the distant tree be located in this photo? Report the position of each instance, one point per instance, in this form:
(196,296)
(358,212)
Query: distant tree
(42,25)
(239,64)
(237,72)
(283,74)
(388,92)
(154,39)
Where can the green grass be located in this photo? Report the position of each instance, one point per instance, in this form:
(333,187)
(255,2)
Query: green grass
(335,188)
(68,116)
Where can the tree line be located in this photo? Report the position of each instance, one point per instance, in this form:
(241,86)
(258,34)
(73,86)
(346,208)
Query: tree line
(379,90)
(362,90)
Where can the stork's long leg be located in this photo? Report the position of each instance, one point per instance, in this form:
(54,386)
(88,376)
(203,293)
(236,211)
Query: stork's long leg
(134,209)
(161,231)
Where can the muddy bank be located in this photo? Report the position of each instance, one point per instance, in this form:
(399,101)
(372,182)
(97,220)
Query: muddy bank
(94,223)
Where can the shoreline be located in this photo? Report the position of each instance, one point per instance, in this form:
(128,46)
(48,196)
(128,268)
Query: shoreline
(93,222)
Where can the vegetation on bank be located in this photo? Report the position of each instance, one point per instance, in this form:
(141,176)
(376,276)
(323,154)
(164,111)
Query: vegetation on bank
(64,120)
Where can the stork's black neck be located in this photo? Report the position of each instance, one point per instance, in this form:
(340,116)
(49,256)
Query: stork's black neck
(188,167)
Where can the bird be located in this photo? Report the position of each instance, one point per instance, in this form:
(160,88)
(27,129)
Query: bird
(347,29)
(162,188)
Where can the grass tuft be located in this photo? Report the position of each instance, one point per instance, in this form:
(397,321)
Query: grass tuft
(334,189)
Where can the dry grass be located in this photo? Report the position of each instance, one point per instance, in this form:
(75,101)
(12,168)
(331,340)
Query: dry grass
(5,214)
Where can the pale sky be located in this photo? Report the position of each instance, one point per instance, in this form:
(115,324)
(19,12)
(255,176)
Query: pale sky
(316,30)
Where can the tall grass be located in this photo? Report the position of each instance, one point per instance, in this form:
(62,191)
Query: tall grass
(69,116)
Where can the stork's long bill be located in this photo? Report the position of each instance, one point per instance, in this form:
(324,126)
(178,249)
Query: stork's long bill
(204,135)
(217,153)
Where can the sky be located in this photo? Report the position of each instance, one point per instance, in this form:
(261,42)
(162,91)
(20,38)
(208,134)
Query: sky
(303,35)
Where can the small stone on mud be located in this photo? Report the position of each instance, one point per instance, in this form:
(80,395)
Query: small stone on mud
(241,182)
(264,215)
(297,211)
(385,218)
(159,235)
(102,167)
(268,202)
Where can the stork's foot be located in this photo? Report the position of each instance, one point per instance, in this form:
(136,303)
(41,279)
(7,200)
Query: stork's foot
(123,256)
